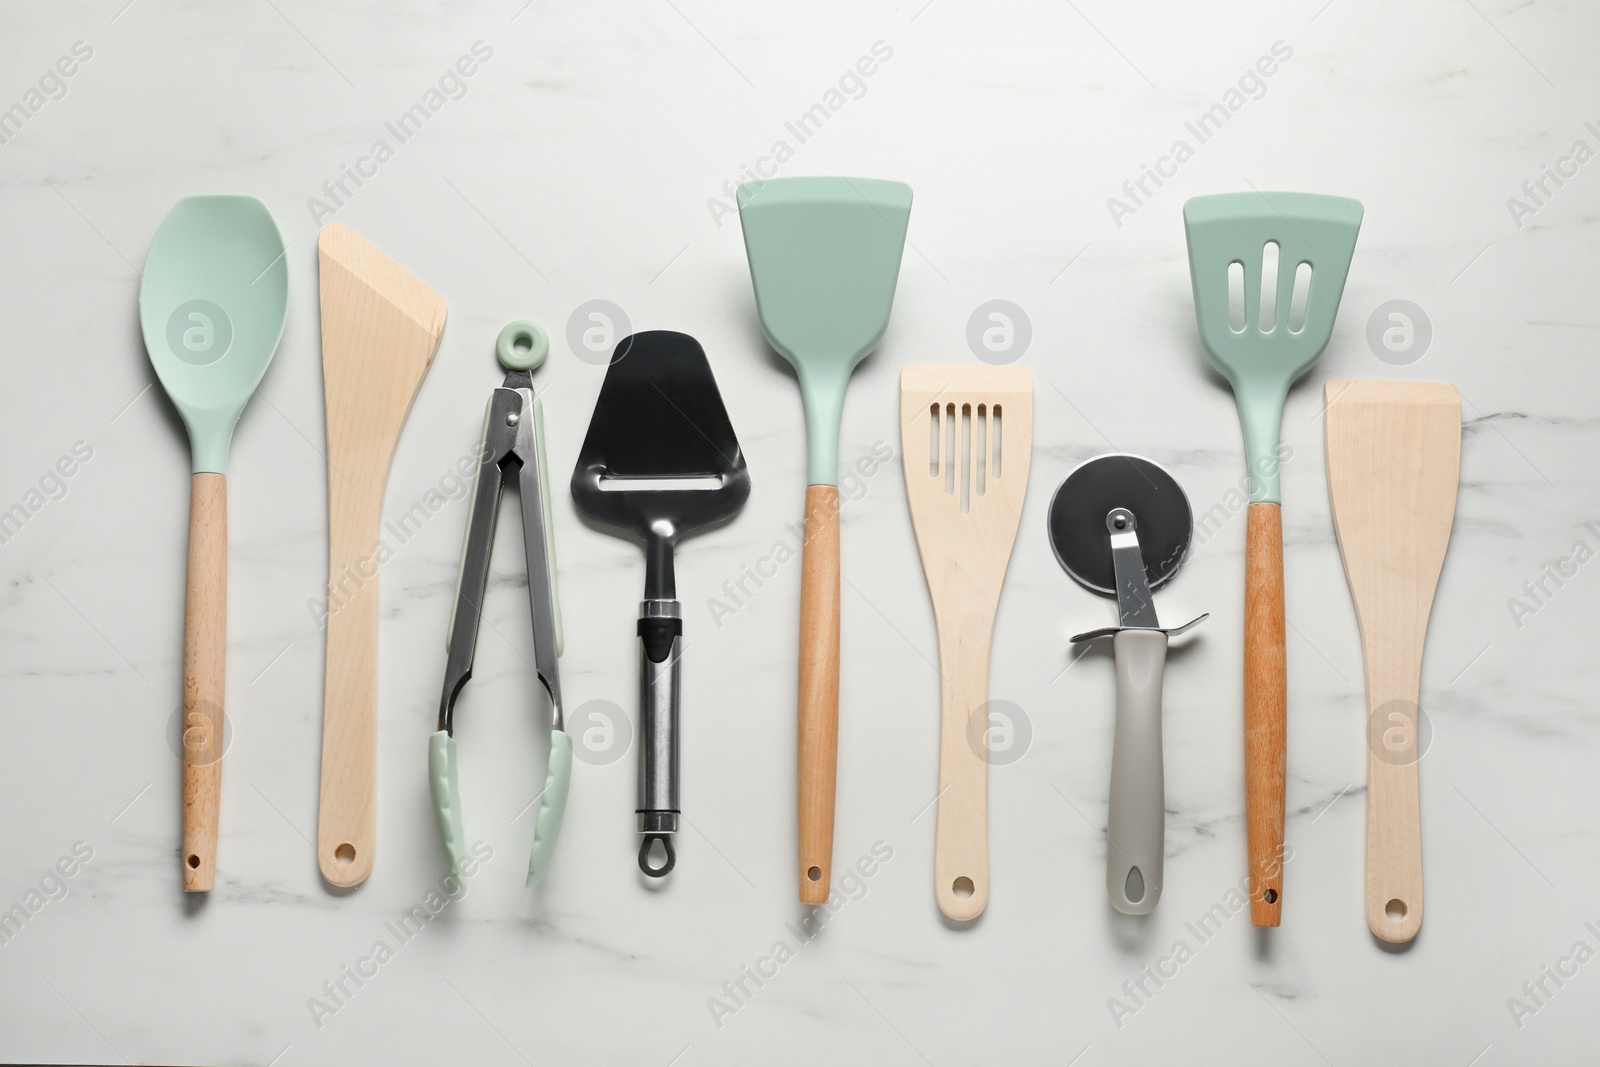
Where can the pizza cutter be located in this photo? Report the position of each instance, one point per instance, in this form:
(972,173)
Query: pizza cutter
(1121,525)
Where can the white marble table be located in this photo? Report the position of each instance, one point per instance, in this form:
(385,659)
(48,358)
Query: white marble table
(587,157)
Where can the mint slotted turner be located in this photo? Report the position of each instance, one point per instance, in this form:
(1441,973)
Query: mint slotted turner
(1306,238)
(824,259)
(212,305)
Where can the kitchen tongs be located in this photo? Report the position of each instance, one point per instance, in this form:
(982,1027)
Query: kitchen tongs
(512,447)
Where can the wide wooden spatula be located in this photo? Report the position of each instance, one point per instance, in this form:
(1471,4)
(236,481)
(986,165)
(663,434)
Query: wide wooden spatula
(380,329)
(1394,461)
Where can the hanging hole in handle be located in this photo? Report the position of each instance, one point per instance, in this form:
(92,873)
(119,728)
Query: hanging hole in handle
(345,854)
(194,863)
(1395,910)
(645,849)
(1133,886)
(963,887)
(815,874)
(1270,896)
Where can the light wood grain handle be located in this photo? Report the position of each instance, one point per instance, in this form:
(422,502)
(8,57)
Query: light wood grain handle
(346,814)
(1266,699)
(1394,813)
(819,690)
(205,657)
(961,842)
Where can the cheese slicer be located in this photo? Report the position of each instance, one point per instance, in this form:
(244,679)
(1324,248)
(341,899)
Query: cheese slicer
(660,461)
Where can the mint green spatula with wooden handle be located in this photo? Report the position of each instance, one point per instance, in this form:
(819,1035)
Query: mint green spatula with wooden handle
(824,258)
(212,306)
(1268,271)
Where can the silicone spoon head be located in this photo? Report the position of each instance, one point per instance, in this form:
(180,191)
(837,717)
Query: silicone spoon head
(824,259)
(215,293)
(1314,237)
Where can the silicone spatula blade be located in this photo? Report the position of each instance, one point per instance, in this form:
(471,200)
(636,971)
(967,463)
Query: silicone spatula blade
(824,260)
(212,307)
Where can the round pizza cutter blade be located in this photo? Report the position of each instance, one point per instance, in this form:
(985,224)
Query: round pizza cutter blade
(1078,519)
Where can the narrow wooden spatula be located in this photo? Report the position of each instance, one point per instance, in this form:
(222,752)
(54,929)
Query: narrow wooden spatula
(1394,459)
(967,437)
(380,329)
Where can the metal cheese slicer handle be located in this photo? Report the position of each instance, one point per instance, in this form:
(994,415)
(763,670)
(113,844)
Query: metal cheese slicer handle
(660,644)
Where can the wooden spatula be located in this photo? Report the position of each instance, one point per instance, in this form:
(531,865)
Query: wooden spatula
(966,437)
(1394,460)
(380,329)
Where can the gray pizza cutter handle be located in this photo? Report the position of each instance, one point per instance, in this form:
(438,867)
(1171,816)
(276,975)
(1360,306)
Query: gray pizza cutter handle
(1137,818)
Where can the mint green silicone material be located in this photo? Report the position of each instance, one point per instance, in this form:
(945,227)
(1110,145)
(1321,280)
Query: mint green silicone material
(445,787)
(535,345)
(1262,364)
(552,806)
(824,259)
(212,306)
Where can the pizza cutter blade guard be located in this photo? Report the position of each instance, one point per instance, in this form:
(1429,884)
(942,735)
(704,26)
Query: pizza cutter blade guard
(1120,526)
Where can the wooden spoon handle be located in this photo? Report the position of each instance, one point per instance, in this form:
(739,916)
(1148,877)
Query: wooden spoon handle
(205,655)
(819,689)
(1265,706)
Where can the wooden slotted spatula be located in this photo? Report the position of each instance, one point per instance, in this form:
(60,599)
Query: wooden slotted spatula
(1394,461)
(380,329)
(966,439)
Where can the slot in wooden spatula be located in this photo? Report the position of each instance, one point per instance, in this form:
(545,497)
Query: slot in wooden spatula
(380,330)
(967,438)
(1394,462)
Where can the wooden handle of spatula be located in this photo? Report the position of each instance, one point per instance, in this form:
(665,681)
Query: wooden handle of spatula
(961,841)
(819,690)
(347,825)
(1394,814)
(1266,699)
(205,656)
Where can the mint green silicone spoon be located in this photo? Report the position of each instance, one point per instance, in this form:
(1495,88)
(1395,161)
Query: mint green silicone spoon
(824,258)
(215,292)
(1261,342)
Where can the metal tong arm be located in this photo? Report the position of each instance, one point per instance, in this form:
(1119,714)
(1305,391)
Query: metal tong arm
(538,539)
(497,446)
(512,440)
